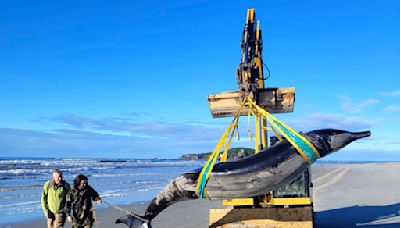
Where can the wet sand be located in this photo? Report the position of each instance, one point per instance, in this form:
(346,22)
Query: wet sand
(178,215)
(345,195)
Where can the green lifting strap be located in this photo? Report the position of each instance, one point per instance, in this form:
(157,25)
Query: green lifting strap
(306,149)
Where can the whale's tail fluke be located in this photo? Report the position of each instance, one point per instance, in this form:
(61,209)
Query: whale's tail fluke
(133,222)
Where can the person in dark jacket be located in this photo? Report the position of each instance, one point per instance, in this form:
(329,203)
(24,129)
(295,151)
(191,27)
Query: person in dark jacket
(79,201)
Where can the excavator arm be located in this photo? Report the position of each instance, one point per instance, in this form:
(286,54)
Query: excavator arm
(250,79)
(250,70)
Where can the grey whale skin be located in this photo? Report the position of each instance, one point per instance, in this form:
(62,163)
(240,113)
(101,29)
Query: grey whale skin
(251,176)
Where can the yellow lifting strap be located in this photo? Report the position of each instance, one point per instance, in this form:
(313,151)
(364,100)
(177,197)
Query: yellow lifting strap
(249,114)
(302,145)
(276,133)
(207,168)
(306,149)
(224,155)
(248,125)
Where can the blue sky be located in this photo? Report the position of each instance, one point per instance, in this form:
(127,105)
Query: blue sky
(130,79)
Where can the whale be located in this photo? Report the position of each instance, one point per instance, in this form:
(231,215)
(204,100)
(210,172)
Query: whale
(252,176)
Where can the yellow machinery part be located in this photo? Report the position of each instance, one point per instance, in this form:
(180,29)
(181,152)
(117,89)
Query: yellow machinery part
(271,201)
(238,202)
(288,201)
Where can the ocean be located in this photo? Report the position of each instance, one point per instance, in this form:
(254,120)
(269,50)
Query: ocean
(119,181)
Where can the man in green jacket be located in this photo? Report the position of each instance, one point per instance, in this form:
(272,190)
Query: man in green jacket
(53,200)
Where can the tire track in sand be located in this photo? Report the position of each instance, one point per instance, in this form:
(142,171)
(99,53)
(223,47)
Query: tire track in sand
(327,180)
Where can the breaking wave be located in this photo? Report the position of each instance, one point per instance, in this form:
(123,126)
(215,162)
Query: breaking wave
(120,181)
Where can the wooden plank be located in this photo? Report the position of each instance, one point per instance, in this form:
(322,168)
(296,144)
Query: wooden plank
(274,100)
(261,217)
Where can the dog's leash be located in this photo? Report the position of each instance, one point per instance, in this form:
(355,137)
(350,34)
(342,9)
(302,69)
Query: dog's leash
(127,211)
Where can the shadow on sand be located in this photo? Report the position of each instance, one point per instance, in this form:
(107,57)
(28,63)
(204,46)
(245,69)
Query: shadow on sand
(358,216)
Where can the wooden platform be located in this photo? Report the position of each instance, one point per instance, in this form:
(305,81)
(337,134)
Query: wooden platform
(261,217)
(274,100)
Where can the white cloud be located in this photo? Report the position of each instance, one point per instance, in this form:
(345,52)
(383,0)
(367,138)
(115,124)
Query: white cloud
(183,131)
(372,144)
(326,120)
(111,137)
(393,108)
(351,106)
(374,148)
(82,143)
(391,94)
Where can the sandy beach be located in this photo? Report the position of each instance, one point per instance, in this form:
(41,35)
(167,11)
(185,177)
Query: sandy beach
(345,195)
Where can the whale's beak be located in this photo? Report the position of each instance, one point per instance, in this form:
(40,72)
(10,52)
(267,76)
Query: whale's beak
(340,140)
(361,134)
